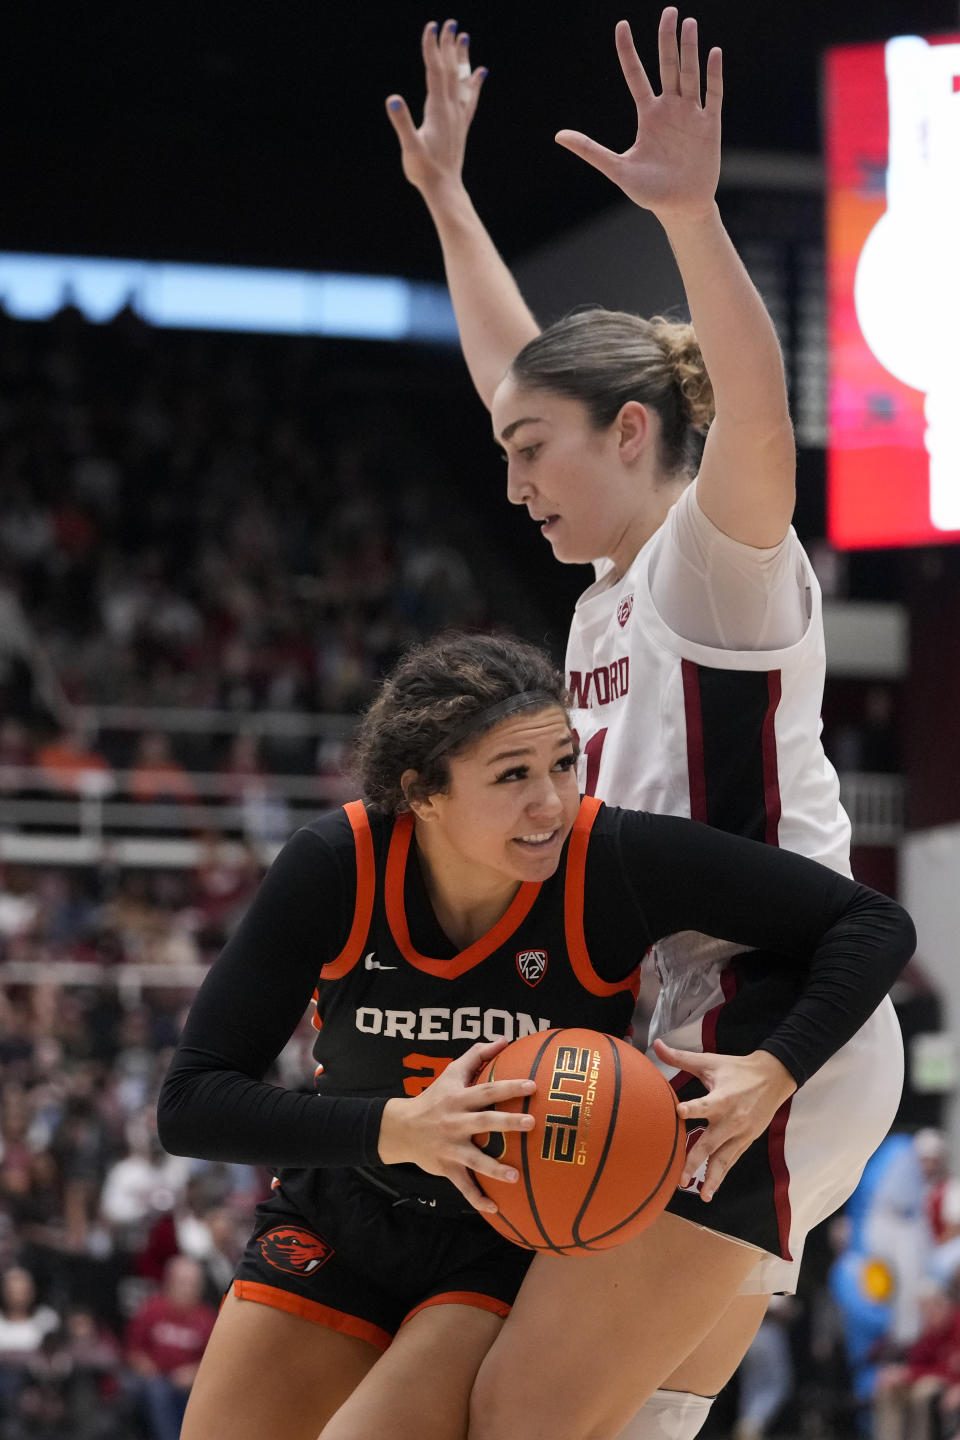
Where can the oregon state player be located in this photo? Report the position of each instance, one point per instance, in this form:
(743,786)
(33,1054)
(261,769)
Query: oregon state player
(475,898)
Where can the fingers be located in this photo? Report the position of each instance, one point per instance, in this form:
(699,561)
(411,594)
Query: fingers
(473,1060)
(714,97)
(667,52)
(449,58)
(446,60)
(689,60)
(465,84)
(631,64)
(398,113)
(679,67)
(719,1156)
(430,50)
(596,155)
(692,1061)
(471,1192)
(440,58)
(497,1092)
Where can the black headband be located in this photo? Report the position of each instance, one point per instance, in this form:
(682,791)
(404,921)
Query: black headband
(482,718)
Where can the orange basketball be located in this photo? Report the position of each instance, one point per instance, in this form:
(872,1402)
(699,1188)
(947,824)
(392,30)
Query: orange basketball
(605,1154)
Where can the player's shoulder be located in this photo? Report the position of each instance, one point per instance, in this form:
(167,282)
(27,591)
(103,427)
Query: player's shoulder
(337,829)
(618,833)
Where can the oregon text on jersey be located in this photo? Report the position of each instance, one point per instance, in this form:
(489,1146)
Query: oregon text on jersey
(438,1022)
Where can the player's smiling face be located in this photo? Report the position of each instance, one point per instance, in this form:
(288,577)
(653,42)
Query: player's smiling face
(509,807)
(576,481)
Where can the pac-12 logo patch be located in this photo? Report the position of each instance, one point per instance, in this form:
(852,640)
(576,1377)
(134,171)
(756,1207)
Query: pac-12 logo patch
(624,611)
(532,965)
(296,1251)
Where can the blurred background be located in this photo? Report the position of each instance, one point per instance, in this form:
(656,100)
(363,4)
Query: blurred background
(229,497)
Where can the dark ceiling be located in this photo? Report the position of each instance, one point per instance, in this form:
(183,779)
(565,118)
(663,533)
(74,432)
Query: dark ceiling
(255,132)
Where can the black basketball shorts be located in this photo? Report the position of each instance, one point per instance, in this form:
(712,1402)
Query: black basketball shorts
(331,1248)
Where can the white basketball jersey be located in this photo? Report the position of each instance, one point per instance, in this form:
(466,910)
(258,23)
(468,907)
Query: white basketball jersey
(730,737)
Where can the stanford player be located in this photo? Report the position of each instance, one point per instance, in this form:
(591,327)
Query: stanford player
(664,454)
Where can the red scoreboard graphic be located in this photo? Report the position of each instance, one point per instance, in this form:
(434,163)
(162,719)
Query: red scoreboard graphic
(893,292)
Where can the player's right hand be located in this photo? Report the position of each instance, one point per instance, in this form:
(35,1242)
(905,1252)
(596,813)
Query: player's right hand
(433,154)
(435,1129)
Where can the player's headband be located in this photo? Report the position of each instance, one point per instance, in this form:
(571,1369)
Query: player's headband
(482,719)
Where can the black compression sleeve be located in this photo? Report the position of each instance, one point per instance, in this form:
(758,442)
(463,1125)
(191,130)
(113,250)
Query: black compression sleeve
(214,1102)
(686,876)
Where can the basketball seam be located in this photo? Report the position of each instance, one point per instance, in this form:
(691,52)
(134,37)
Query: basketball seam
(549,1036)
(652,1196)
(608,1141)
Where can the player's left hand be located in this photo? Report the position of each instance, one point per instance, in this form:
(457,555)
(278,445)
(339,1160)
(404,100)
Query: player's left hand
(673,166)
(744,1092)
(432,154)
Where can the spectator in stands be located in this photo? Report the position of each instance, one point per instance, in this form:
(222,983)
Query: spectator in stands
(135,1061)
(81,1145)
(85,1363)
(16,753)
(15,1150)
(907,1392)
(246,784)
(931,1148)
(945,1257)
(73,767)
(32,1196)
(765,1378)
(19,913)
(155,774)
(164,1342)
(24,1326)
(224,883)
(145,1183)
(205,1227)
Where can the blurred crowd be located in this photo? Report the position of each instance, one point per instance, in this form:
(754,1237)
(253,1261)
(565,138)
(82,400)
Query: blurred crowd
(113,1255)
(195,520)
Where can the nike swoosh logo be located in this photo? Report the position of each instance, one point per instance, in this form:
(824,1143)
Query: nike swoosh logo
(370,964)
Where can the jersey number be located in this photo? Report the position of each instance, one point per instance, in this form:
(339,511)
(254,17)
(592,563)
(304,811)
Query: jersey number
(432,1065)
(592,752)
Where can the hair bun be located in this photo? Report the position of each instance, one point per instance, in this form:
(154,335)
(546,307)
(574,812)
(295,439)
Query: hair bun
(682,350)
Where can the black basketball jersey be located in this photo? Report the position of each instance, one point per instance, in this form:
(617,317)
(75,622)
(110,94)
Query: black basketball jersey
(391,1019)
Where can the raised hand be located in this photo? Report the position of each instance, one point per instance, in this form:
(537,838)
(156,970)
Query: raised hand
(433,154)
(435,1129)
(744,1092)
(673,166)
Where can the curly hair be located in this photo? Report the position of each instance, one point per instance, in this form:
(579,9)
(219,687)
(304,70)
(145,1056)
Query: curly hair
(433,689)
(603,358)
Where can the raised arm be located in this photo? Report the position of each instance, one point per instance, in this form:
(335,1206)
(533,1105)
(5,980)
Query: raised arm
(493,319)
(747,477)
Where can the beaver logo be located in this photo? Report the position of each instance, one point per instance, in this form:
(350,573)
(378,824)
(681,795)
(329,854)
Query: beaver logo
(297,1252)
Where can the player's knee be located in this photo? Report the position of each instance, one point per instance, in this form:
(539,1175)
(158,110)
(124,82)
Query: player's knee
(490,1408)
(669,1415)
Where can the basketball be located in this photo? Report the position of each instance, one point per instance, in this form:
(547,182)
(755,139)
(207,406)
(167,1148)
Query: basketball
(605,1154)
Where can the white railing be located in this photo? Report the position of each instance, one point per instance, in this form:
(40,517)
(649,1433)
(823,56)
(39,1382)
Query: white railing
(130,980)
(196,720)
(101,820)
(875,804)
